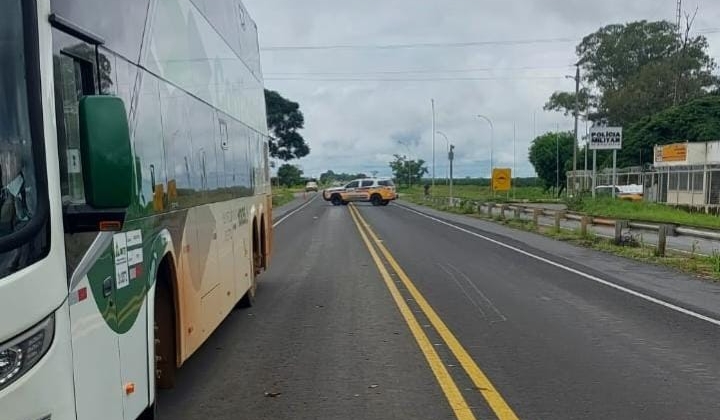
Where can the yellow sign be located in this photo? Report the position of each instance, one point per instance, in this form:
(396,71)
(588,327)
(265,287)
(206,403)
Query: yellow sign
(672,153)
(501,179)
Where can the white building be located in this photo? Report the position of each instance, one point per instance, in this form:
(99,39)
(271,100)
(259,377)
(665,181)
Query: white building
(686,174)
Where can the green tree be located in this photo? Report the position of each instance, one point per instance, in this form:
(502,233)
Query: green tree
(327,177)
(698,120)
(637,69)
(330,176)
(284,119)
(565,102)
(289,175)
(408,171)
(545,152)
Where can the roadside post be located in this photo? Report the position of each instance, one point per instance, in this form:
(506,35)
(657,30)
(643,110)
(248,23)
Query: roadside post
(558,218)
(619,226)
(584,221)
(662,241)
(536,217)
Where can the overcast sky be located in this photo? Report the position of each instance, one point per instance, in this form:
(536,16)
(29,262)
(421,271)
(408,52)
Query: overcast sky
(355,125)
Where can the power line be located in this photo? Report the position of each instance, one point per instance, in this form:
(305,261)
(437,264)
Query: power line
(501,42)
(423,71)
(429,79)
(415,45)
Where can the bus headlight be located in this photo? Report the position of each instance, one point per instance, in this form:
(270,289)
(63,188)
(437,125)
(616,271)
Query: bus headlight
(20,354)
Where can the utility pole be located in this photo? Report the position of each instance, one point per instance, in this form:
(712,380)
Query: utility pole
(492,140)
(557,160)
(577,116)
(678,20)
(447,141)
(514,159)
(432,105)
(451,156)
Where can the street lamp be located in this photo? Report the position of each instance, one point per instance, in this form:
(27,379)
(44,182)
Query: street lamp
(447,141)
(492,135)
(451,156)
(576,78)
(407,161)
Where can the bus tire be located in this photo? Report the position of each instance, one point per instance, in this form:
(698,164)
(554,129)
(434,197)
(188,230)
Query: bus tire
(165,340)
(248,299)
(150,413)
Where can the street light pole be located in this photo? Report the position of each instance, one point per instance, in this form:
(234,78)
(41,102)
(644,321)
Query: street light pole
(577,116)
(447,145)
(557,160)
(492,140)
(451,156)
(407,161)
(514,158)
(492,135)
(432,104)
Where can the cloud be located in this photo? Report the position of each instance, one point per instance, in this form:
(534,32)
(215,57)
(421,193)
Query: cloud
(355,125)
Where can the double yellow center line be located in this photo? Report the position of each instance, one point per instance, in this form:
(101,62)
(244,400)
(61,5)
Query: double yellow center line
(455,398)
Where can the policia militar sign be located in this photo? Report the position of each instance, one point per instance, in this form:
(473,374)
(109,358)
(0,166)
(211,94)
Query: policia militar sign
(606,138)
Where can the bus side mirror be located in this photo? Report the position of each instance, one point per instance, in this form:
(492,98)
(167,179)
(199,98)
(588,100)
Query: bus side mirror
(107,159)
(107,164)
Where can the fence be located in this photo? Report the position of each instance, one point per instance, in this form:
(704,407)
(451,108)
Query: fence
(695,187)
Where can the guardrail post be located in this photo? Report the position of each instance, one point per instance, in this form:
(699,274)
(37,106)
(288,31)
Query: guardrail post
(584,221)
(619,226)
(503,208)
(558,218)
(517,213)
(490,207)
(536,217)
(662,240)
(479,208)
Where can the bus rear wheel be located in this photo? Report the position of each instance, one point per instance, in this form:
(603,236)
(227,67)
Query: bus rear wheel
(165,365)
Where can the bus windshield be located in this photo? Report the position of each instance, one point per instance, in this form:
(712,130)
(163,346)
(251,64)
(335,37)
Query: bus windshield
(18,199)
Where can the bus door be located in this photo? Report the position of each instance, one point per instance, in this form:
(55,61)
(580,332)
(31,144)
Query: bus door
(93,315)
(108,298)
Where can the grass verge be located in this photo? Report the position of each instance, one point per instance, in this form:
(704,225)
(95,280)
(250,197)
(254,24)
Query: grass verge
(474,192)
(643,211)
(281,196)
(704,267)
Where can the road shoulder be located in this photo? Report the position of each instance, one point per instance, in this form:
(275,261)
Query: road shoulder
(660,282)
(299,200)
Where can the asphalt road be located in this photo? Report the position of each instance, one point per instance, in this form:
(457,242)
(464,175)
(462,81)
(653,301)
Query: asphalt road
(418,318)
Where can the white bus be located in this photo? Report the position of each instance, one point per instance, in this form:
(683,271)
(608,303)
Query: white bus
(135,205)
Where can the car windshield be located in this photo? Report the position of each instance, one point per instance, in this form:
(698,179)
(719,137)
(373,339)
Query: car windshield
(18,199)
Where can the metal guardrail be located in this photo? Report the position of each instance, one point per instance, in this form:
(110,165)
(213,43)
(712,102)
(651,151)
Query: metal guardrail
(662,229)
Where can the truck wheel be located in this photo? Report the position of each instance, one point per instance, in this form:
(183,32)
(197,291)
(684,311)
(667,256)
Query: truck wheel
(336,200)
(376,200)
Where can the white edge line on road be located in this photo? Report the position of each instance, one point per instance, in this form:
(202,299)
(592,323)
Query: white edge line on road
(574,271)
(282,219)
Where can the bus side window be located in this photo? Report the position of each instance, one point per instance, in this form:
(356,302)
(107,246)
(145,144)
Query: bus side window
(75,77)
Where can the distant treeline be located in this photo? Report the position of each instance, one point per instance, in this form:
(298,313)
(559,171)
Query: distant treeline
(485,182)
